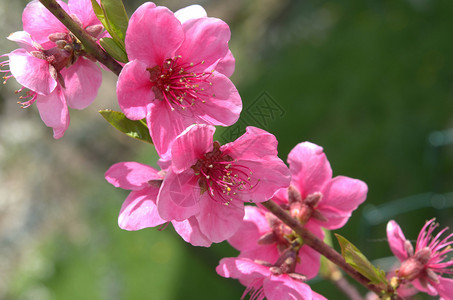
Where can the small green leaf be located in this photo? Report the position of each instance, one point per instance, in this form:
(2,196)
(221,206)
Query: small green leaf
(135,129)
(117,18)
(114,50)
(358,261)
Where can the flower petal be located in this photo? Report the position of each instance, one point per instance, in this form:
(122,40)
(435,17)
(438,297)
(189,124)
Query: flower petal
(190,145)
(254,144)
(242,268)
(54,112)
(139,210)
(267,177)
(131,175)
(222,104)
(83,9)
(217,220)
(82,82)
(153,35)
(31,72)
(254,225)
(189,230)
(39,22)
(205,43)
(283,287)
(190,12)
(164,126)
(396,240)
(179,196)
(309,167)
(309,259)
(226,65)
(341,195)
(445,288)
(134,90)
(24,40)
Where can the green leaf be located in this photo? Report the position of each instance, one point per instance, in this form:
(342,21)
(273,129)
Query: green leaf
(135,129)
(359,262)
(114,49)
(117,19)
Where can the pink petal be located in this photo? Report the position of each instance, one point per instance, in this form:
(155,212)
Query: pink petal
(179,196)
(134,90)
(335,218)
(40,22)
(445,288)
(217,220)
(316,296)
(165,125)
(254,144)
(223,105)
(83,9)
(429,289)
(205,43)
(309,167)
(139,210)
(396,240)
(190,145)
(226,65)
(267,177)
(341,195)
(242,268)
(31,72)
(153,35)
(24,40)
(82,82)
(268,253)
(54,112)
(252,228)
(189,230)
(281,196)
(131,175)
(190,12)
(283,287)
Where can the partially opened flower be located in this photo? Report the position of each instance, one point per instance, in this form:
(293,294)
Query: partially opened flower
(210,183)
(51,65)
(173,79)
(314,197)
(52,78)
(425,266)
(264,280)
(262,236)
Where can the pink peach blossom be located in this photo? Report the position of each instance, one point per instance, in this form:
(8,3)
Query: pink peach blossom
(424,266)
(314,197)
(264,280)
(172,78)
(210,182)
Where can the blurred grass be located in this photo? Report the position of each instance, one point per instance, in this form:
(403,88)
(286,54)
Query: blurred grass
(367,80)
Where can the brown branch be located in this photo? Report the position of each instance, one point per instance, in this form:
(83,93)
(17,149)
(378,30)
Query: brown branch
(87,40)
(316,244)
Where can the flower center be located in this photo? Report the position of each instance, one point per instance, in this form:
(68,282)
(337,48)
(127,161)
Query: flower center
(177,86)
(221,176)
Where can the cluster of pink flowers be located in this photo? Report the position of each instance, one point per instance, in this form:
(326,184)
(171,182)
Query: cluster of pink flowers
(177,80)
(51,65)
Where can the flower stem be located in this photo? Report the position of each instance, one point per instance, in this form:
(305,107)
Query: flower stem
(316,244)
(87,40)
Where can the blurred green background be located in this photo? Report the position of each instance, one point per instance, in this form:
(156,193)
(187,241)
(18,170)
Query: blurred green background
(370,81)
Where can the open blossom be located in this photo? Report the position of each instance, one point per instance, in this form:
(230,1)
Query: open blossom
(425,265)
(314,197)
(174,77)
(50,64)
(207,184)
(268,281)
(262,236)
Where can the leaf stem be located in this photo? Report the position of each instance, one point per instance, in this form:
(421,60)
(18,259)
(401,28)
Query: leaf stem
(316,244)
(87,40)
